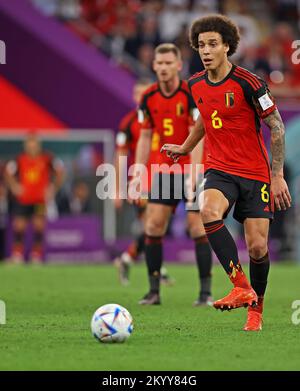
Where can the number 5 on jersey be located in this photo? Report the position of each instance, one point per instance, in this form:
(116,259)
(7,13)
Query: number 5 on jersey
(168,127)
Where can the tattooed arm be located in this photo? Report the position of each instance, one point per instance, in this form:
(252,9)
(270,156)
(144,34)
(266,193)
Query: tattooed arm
(279,187)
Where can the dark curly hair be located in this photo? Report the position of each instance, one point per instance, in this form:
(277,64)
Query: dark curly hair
(219,24)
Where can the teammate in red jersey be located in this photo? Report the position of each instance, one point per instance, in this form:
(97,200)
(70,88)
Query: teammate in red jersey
(126,141)
(30,180)
(167,108)
(232,101)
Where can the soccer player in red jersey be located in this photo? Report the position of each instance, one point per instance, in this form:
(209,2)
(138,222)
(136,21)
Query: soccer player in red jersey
(232,101)
(30,180)
(126,141)
(167,108)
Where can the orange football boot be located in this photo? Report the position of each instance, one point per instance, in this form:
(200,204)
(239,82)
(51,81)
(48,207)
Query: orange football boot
(254,321)
(254,318)
(238,297)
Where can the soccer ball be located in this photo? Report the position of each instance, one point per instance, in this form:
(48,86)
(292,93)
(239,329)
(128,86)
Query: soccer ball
(111,323)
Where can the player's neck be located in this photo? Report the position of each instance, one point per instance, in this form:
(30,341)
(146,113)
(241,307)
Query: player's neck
(218,74)
(169,87)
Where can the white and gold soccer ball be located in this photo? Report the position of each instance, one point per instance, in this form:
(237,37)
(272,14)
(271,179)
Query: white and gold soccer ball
(112,323)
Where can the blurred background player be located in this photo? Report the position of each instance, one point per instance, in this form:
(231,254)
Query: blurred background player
(33,179)
(167,108)
(126,141)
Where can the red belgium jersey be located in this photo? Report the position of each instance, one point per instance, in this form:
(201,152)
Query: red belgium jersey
(231,111)
(169,117)
(34,175)
(128,134)
(127,138)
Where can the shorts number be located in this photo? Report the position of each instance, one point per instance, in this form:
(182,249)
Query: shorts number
(168,127)
(155,142)
(216,121)
(264,194)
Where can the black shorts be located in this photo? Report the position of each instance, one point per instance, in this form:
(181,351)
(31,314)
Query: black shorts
(28,210)
(170,190)
(251,198)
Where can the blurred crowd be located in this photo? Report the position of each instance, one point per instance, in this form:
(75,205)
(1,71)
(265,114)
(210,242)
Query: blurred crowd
(129,30)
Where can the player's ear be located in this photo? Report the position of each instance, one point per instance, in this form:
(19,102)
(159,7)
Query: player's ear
(226,47)
(179,66)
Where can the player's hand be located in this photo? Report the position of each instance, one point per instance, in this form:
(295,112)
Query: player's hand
(173,151)
(281,193)
(133,194)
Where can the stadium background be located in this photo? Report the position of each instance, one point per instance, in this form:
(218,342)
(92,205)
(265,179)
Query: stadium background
(67,71)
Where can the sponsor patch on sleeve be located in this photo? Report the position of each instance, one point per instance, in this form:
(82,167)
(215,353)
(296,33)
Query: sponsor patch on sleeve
(121,139)
(265,102)
(141,116)
(195,114)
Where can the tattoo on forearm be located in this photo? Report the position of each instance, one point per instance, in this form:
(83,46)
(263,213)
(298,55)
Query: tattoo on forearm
(274,122)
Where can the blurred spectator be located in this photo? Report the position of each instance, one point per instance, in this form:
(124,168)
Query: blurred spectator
(201,8)
(279,229)
(145,56)
(128,30)
(107,15)
(248,28)
(87,160)
(173,16)
(147,33)
(278,50)
(80,199)
(64,9)
(77,203)
(48,7)
(286,11)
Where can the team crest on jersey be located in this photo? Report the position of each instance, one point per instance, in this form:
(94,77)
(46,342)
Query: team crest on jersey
(179,109)
(229,99)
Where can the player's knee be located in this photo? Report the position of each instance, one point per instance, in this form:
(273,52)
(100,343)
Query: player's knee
(19,225)
(209,213)
(258,247)
(155,228)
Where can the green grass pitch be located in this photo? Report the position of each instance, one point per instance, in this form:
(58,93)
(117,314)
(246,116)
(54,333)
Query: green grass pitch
(49,310)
